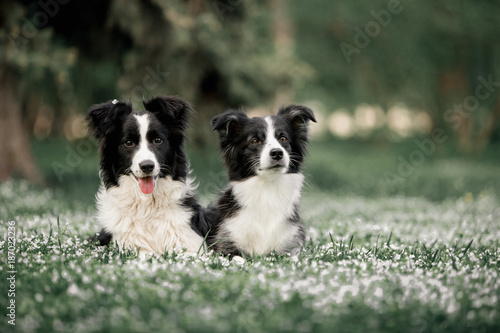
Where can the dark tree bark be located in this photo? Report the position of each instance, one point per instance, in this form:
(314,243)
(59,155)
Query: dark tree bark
(15,155)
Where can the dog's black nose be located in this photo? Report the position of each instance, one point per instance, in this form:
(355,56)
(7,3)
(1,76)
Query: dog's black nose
(147,166)
(276,154)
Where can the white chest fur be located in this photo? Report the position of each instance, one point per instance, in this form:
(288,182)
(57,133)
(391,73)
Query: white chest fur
(267,202)
(154,222)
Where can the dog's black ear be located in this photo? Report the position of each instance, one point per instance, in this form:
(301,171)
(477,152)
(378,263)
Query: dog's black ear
(297,114)
(172,111)
(229,123)
(101,118)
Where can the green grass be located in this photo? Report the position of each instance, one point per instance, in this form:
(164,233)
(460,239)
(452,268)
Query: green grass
(376,259)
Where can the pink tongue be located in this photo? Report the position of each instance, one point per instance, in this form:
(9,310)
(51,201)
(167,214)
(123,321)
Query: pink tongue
(147,185)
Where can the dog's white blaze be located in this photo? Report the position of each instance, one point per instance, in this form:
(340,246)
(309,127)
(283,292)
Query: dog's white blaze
(151,223)
(267,202)
(272,143)
(143,153)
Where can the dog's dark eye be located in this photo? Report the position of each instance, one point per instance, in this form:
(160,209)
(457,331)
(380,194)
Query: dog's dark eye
(255,141)
(283,139)
(129,144)
(158,141)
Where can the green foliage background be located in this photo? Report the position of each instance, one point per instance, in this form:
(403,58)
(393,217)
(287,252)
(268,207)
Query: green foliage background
(220,54)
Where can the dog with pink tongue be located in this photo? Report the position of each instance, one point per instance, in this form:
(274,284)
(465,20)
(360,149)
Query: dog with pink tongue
(146,200)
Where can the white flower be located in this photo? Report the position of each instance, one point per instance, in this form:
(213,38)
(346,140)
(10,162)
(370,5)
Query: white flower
(239,260)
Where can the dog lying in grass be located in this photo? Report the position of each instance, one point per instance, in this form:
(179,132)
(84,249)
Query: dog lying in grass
(146,199)
(258,212)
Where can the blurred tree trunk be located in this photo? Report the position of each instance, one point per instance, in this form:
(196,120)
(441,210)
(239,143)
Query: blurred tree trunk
(454,88)
(488,131)
(284,44)
(15,155)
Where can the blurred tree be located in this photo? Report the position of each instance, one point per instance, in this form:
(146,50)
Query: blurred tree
(14,150)
(26,71)
(216,54)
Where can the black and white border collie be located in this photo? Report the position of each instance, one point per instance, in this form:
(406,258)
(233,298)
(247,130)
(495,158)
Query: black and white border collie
(258,212)
(146,199)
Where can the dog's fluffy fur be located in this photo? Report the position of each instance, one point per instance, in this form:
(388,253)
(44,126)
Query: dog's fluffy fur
(259,211)
(146,199)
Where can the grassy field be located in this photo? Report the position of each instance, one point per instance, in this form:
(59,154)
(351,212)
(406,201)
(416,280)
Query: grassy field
(419,255)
